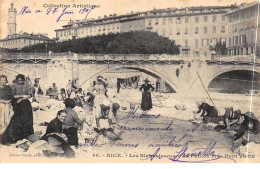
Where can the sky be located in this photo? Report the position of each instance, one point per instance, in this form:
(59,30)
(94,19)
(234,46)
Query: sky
(46,24)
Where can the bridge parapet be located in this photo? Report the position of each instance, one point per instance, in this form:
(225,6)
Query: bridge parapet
(27,56)
(239,58)
(126,57)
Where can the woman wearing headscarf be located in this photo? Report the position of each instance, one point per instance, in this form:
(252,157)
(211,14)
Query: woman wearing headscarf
(250,128)
(209,113)
(100,94)
(72,122)
(146,95)
(6,110)
(231,117)
(21,124)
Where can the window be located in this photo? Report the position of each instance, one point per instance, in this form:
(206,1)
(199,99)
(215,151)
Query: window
(150,22)
(186,20)
(205,30)
(164,21)
(170,21)
(178,20)
(196,30)
(223,17)
(236,40)
(196,43)
(223,29)
(186,30)
(178,31)
(163,32)
(214,29)
(196,19)
(205,18)
(170,31)
(202,42)
(229,41)
(207,42)
(156,21)
(186,43)
(214,18)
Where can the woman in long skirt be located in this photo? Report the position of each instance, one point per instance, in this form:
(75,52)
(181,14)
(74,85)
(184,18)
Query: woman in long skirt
(21,124)
(146,95)
(6,110)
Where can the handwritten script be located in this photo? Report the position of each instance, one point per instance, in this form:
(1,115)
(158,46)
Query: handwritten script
(61,12)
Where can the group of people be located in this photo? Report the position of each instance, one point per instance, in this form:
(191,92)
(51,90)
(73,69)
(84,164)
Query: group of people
(17,114)
(244,124)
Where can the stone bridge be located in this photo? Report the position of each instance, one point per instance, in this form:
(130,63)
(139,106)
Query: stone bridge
(179,73)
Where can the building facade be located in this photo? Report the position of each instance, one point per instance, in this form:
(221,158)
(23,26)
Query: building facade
(18,41)
(243,30)
(195,29)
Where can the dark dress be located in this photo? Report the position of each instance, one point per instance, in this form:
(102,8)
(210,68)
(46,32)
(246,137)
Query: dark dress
(21,124)
(244,128)
(211,112)
(146,97)
(6,93)
(55,126)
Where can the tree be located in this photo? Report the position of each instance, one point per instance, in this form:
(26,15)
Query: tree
(135,42)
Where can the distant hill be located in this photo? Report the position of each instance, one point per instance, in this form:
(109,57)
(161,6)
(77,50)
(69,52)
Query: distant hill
(138,42)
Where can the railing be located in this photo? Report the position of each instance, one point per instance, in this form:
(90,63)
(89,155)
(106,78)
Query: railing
(127,57)
(239,58)
(27,56)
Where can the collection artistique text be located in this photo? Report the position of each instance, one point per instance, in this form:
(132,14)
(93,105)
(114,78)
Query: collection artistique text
(70,6)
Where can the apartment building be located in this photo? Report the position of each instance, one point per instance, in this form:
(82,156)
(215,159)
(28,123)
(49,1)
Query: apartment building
(243,30)
(195,29)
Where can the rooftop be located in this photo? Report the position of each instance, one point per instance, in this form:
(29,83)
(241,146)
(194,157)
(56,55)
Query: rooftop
(26,36)
(151,13)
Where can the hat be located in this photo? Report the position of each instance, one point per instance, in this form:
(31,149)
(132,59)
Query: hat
(100,77)
(146,80)
(250,115)
(69,102)
(198,101)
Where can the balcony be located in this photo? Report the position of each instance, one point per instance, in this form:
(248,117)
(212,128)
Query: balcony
(185,48)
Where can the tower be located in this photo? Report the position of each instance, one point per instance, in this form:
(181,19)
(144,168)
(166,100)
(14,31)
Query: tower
(11,23)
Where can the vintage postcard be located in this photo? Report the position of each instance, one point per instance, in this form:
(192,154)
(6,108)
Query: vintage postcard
(130,81)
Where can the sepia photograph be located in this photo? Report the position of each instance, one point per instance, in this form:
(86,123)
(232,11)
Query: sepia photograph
(129,81)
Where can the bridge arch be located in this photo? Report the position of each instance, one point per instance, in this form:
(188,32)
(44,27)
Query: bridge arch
(144,69)
(236,76)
